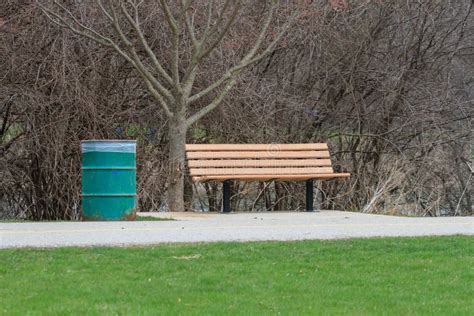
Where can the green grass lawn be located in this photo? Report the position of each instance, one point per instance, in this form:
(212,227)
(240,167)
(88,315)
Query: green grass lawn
(361,276)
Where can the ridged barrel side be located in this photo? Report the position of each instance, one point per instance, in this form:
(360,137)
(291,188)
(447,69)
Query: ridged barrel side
(109,180)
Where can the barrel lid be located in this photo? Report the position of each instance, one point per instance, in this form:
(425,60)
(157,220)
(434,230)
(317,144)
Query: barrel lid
(108,141)
(109,145)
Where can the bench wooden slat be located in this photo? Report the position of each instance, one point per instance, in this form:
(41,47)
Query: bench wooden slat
(257,171)
(256,147)
(256,154)
(249,163)
(271,177)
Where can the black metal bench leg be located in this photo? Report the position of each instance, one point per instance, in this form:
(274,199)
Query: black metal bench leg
(226,197)
(309,196)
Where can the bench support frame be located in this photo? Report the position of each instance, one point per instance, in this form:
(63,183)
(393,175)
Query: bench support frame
(309,196)
(226,196)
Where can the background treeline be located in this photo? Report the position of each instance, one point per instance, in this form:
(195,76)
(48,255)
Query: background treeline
(388,84)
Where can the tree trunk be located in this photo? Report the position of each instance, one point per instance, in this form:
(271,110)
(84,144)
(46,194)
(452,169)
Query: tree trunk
(177,140)
(188,193)
(279,197)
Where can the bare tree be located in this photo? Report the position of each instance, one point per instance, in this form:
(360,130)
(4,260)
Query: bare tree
(173,87)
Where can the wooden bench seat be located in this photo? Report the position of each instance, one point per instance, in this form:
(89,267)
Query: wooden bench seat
(260,162)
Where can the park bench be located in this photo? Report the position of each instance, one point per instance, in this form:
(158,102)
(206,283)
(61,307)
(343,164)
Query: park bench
(260,162)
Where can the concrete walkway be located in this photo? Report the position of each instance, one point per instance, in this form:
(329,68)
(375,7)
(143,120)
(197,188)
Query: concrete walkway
(198,227)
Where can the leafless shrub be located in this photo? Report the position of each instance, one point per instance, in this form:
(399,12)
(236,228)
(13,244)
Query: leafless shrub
(387,83)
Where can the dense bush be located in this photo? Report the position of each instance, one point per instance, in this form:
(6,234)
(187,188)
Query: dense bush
(387,84)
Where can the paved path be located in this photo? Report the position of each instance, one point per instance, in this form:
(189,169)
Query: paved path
(228,227)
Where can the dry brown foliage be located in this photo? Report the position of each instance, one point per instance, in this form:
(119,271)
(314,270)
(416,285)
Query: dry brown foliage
(387,83)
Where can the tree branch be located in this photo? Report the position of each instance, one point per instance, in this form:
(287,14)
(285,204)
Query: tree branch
(216,26)
(211,106)
(196,56)
(210,5)
(169,17)
(175,40)
(62,22)
(136,26)
(189,25)
(80,29)
(222,34)
(137,61)
(250,58)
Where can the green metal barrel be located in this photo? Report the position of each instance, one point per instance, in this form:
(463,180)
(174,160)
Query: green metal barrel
(109,185)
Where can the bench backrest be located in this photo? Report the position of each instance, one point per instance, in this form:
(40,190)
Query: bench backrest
(258,159)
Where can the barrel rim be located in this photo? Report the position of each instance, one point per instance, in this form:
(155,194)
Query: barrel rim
(108,141)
